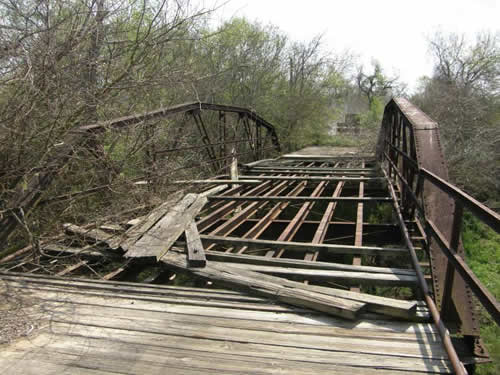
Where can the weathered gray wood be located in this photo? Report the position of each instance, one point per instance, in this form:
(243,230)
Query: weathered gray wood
(302,246)
(95,235)
(158,240)
(195,250)
(188,356)
(347,277)
(133,289)
(83,251)
(72,267)
(213,190)
(112,228)
(362,345)
(272,287)
(292,326)
(136,232)
(299,263)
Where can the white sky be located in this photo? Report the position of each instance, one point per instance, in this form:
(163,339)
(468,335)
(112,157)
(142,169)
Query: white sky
(391,31)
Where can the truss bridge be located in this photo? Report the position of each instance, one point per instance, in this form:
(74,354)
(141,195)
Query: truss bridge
(324,260)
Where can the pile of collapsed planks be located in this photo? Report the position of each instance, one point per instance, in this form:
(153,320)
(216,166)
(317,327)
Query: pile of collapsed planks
(158,234)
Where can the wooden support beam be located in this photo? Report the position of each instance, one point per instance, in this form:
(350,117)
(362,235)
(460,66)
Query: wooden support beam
(195,250)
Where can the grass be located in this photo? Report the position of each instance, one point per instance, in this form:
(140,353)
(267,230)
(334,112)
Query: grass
(482,249)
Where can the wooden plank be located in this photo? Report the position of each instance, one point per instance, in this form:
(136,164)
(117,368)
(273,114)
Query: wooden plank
(189,356)
(303,246)
(289,315)
(56,295)
(158,240)
(95,235)
(347,277)
(152,319)
(383,305)
(111,275)
(299,263)
(135,233)
(362,345)
(272,287)
(195,250)
(353,355)
(72,267)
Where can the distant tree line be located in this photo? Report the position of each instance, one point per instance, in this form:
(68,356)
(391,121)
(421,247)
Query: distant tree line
(463,96)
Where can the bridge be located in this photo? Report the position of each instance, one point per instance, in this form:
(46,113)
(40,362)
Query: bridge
(325,260)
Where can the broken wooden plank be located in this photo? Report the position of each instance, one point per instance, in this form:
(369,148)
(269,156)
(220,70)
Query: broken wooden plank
(272,287)
(381,305)
(95,235)
(303,246)
(136,232)
(158,240)
(72,268)
(195,250)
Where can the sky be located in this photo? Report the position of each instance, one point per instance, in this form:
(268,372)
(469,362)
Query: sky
(393,32)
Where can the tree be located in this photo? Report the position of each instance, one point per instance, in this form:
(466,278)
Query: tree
(375,83)
(463,97)
(471,66)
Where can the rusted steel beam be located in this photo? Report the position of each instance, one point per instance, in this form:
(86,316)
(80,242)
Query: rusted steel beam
(299,218)
(488,216)
(269,218)
(437,204)
(313,178)
(315,169)
(450,270)
(458,367)
(299,199)
(303,246)
(358,237)
(235,221)
(78,136)
(211,218)
(481,292)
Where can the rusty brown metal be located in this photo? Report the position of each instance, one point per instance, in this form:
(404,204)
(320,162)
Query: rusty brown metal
(417,165)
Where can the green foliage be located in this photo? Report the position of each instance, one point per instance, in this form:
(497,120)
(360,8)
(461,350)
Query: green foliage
(482,249)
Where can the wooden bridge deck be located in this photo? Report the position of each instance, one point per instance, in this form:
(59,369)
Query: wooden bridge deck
(105,327)
(295,244)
